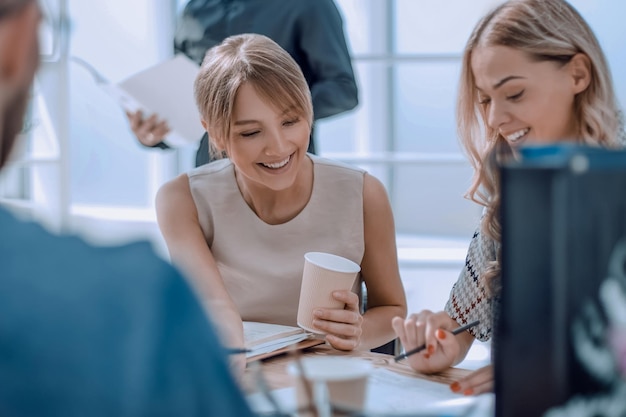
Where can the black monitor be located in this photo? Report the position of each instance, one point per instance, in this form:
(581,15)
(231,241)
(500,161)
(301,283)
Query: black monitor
(563,218)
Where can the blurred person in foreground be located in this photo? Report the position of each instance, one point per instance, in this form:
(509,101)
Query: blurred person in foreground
(90,331)
(533,73)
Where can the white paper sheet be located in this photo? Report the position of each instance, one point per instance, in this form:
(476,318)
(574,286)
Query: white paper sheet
(262,338)
(390,393)
(167,90)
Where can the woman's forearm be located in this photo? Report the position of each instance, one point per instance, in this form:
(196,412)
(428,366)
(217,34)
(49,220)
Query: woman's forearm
(227,321)
(377,328)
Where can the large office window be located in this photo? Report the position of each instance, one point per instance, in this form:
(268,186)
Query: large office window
(83,165)
(407,54)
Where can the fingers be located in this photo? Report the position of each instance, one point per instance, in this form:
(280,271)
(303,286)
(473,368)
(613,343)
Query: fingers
(478,382)
(135,119)
(343,327)
(340,322)
(150,131)
(420,329)
(437,331)
(427,329)
(415,327)
(159,131)
(349,298)
(340,343)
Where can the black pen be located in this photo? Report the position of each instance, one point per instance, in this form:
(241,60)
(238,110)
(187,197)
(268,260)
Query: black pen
(237,351)
(420,348)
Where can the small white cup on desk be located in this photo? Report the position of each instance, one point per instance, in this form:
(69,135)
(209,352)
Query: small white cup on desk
(339,381)
(323,273)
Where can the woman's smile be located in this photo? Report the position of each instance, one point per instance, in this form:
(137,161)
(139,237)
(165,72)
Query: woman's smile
(278,166)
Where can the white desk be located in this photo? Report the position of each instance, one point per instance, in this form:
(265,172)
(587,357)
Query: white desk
(393,388)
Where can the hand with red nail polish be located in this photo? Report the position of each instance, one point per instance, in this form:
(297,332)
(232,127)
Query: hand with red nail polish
(478,382)
(455,386)
(443,349)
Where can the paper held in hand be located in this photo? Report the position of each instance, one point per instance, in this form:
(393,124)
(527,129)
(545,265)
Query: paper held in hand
(265,338)
(165,89)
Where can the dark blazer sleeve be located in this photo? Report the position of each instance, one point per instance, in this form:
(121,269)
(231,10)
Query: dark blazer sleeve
(334,89)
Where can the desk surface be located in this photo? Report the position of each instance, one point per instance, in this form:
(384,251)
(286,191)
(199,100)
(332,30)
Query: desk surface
(393,387)
(275,369)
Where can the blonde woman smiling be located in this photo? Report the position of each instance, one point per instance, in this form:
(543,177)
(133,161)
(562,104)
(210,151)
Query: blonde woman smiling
(241,226)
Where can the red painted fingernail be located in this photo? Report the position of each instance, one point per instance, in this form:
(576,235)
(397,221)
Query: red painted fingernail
(440,334)
(455,387)
(431,349)
(426,356)
(468,391)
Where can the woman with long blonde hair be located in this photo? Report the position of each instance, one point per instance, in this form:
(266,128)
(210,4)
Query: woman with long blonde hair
(533,73)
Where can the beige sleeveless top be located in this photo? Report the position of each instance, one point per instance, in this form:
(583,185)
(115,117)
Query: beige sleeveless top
(262,264)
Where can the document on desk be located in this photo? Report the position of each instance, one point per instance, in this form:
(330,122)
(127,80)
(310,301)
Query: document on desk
(261,338)
(390,393)
(165,89)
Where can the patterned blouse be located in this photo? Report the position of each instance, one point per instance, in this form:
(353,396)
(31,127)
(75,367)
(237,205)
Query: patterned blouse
(469,298)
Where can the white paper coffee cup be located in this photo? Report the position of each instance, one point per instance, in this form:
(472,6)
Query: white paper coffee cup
(323,273)
(340,380)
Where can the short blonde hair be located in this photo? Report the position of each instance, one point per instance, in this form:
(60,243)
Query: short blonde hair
(254,59)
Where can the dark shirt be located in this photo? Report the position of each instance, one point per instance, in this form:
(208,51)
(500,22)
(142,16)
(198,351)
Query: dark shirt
(115,331)
(311,31)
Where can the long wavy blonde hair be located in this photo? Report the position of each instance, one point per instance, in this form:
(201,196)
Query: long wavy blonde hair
(547,30)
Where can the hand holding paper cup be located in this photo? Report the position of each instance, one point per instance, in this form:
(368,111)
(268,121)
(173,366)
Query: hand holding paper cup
(323,273)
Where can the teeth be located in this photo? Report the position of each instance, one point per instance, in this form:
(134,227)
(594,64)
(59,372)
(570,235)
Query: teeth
(513,137)
(277,164)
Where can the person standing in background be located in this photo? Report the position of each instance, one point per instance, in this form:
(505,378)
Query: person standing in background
(311,31)
(88,331)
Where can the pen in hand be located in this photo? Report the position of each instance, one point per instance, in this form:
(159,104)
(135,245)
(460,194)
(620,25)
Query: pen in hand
(422,347)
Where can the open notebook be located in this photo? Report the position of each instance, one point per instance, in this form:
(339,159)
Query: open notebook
(267,339)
